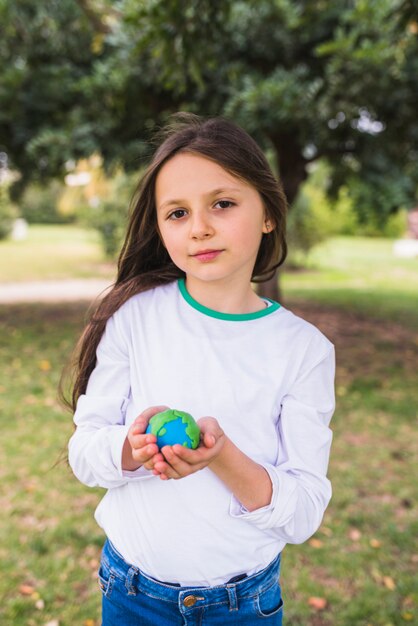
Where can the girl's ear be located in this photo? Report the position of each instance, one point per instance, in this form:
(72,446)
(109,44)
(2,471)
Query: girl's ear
(268,227)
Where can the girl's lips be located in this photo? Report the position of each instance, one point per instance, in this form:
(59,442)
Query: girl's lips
(207,256)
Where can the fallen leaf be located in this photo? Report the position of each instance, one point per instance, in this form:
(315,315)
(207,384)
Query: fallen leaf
(40,604)
(53,622)
(407,616)
(375,543)
(326,531)
(44,365)
(89,622)
(317,603)
(389,583)
(315,543)
(26,590)
(376,575)
(354,534)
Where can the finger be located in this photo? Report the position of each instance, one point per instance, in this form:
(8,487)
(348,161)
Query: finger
(164,467)
(150,412)
(150,463)
(211,434)
(145,453)
(140,439)
(210,426)
(209,440)
(188,455)
(139,426)
(202,454)
(180,466)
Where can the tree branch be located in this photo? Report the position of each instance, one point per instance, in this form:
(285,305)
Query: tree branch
(95,19)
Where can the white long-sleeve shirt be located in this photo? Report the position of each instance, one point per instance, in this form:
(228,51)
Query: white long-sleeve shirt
(267,377)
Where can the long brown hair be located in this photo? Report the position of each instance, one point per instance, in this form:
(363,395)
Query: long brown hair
(144,262)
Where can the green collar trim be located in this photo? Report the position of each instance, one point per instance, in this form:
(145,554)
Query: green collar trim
(231,317)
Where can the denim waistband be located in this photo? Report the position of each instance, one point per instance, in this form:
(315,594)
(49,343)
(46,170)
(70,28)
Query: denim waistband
(234,579)
(135,579)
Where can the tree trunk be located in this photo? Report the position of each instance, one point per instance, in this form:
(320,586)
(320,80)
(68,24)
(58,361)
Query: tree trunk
(292,169)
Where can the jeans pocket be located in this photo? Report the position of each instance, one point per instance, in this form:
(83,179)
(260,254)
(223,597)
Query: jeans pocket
(106,578)
(269,601)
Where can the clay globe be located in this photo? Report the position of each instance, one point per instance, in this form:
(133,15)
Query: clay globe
(173,426)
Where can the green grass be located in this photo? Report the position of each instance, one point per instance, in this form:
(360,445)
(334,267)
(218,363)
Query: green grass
(364,564)
(360,274)
(53,252)
(49,541)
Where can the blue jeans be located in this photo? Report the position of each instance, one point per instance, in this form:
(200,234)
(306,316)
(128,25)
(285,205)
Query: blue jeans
(131,598)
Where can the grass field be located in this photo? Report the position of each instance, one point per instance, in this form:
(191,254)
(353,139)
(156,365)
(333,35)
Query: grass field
(361,564)
(53,252)
(361,275)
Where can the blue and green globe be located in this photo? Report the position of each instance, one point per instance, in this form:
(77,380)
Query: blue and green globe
(174,426)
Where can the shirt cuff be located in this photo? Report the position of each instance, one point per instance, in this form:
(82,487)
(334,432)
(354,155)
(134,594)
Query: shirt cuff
(281,508)
(116,448)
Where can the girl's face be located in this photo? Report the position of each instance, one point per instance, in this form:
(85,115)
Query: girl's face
(211,222)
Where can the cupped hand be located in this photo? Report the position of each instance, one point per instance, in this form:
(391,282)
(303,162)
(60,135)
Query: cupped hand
(140,448)
(179,461)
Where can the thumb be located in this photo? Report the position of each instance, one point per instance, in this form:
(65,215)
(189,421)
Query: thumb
(139,426)
(141,422)
(209,440)
(211,431)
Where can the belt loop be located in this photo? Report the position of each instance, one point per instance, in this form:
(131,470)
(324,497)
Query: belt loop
(129,582)
(232,596)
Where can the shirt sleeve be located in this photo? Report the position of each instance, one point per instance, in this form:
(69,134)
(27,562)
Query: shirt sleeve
(301,489)
(95,449)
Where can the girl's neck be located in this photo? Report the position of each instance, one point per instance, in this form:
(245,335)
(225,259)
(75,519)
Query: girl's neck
(226,298)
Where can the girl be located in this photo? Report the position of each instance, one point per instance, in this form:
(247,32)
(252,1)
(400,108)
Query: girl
(195,536)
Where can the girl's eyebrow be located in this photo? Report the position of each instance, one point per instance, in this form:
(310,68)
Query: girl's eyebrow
(210,194)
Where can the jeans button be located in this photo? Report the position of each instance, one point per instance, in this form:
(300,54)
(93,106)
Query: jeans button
(190,600)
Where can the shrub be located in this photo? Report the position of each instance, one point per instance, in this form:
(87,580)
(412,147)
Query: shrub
(40,204)
(109,216)
(396,225)
(345,218)
(310,222)
(353,212)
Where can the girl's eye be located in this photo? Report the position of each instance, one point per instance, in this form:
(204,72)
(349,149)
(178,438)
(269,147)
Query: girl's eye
(177,214)
(224,204)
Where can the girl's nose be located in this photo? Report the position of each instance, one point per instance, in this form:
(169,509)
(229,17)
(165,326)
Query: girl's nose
(201,227)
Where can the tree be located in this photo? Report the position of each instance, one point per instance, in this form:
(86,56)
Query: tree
(309,80)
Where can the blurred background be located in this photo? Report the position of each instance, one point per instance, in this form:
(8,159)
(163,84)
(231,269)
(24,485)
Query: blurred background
(330,91)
